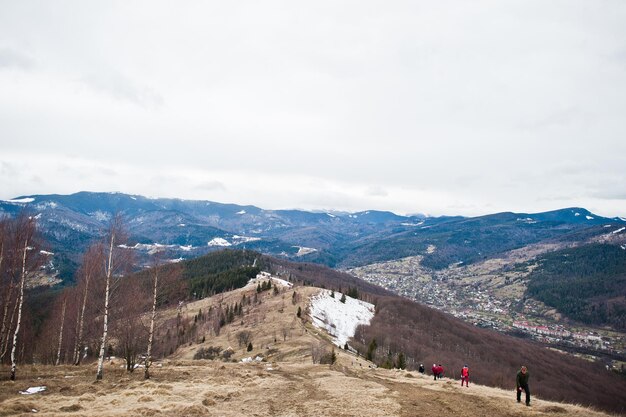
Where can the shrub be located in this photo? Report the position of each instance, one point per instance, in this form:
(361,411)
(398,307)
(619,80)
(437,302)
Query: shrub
(210,352)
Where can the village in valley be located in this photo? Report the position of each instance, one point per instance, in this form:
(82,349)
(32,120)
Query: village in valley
(489,296)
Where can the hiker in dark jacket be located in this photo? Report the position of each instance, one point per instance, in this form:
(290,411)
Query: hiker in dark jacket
(522,384)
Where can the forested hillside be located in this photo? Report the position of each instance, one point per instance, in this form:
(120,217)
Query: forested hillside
(585,283)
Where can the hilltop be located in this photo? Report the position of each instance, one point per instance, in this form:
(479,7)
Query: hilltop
(276,377)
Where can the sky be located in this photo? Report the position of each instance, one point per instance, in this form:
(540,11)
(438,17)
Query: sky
(436,107)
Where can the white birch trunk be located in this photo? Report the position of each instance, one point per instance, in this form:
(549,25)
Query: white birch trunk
(106,311)
(79,342)
(61,332)
(148,361)
(19,313)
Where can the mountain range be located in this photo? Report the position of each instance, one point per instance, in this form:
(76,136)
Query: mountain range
(189,228)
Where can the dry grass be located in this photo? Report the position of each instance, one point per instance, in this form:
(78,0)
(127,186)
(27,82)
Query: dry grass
(286,384)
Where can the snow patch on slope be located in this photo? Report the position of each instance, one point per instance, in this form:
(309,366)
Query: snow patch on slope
(339,319)
(218,241)
(304,250)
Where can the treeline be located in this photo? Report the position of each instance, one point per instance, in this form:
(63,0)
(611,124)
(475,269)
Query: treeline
(405,333)
(585,283)
(216,272)
(221,271)
(323,277)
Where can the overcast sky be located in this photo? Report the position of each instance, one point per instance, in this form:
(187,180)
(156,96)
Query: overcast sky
(438,107)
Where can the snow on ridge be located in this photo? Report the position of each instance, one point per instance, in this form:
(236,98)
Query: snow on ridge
(618,230)
(265,276)
(24,200)
(46,204)
(412,224)
(218,241)
(589,217)
(339,319)
(241,212)
(576,214)
(100,215)
(244,239)
(304,250)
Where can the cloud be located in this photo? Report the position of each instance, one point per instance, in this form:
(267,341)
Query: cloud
(10,58)
(123,88)
(211,186)
(377,192)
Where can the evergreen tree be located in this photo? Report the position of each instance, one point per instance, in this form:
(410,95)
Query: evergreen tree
(371,350)
(343,298)
(250,346)
(401,362)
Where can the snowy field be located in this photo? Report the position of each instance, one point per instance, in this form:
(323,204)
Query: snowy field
(339,319)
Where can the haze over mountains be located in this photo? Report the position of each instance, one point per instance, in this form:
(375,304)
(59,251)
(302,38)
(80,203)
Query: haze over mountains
(188,228)
(444,247)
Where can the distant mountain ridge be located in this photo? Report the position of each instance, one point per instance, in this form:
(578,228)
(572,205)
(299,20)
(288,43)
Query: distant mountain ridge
(189,228)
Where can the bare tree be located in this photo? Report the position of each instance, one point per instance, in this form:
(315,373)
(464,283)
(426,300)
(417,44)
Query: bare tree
(58,361)
(89,269)
(244,337)
(127,326)
(8,276)
(115,261)
(25,233)
(162,280)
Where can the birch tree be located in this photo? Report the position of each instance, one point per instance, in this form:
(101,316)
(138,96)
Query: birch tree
(116,260)
(58,361)
(25,238)
(92,261)
(6,285)
(162,280)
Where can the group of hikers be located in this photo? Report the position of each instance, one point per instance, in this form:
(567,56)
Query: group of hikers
(521,380)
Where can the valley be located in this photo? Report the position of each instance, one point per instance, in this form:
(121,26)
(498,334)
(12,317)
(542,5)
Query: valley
(491,294)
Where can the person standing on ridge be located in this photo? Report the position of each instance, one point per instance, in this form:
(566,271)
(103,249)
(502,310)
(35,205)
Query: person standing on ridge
(522,384)
(421,368)
(435,370)
(465,375)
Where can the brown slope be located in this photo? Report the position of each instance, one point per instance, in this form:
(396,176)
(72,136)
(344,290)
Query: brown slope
(426,335)
(286,384)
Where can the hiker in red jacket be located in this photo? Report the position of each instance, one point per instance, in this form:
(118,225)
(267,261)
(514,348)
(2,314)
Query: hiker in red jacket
(435,370)
(465,375)
(440,368)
